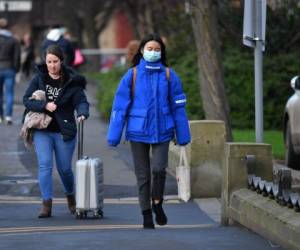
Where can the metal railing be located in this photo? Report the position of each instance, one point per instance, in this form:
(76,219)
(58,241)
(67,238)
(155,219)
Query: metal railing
(279,189)
(103,59)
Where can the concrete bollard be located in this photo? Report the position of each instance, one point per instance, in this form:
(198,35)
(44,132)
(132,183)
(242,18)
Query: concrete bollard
(235,174)
(205,155)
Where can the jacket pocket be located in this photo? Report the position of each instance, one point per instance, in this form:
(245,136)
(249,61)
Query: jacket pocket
(137,120)
(168,122)
(67,126)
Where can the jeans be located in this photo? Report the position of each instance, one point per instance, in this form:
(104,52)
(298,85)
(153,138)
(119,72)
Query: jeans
(45,144)
(7,80)
(141,159)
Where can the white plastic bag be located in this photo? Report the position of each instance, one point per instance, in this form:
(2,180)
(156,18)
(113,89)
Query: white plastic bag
(183,177)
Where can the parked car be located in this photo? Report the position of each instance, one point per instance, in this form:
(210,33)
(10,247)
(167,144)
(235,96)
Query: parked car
(292,127)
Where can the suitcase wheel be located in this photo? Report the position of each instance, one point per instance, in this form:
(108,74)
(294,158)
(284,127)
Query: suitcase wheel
(81,214)
(98,214)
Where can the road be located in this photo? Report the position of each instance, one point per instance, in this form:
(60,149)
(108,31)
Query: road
(192,225)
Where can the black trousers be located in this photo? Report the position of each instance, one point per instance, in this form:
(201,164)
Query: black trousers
(143,170)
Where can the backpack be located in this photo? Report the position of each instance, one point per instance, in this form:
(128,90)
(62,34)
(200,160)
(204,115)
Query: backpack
(134,78)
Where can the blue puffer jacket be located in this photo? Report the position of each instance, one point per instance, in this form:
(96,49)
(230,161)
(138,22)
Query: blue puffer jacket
(71,98)
(156,110)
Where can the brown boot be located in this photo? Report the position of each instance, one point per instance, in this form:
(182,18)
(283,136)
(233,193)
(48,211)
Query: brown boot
(71,203)
(46,209)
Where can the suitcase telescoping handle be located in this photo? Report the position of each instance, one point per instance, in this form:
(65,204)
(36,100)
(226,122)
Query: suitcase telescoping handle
(80,139)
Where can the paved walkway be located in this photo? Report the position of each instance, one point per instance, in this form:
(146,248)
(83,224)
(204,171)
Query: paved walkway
(192,225)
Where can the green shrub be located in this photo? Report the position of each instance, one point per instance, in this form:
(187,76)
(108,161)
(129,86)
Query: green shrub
(239,79)
(107,85)
(187,70)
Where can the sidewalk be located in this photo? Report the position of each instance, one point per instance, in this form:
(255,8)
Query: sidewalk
(189,227)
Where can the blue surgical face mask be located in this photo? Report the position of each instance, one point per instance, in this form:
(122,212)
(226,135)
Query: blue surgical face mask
(152,55)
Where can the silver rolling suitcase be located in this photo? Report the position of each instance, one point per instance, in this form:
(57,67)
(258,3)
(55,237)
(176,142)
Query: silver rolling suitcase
(89,182)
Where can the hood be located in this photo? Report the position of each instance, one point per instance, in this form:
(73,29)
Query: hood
(6,33)
(70,74)
(54,35)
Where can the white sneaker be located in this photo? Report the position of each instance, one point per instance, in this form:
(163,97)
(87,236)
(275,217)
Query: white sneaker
(8,120)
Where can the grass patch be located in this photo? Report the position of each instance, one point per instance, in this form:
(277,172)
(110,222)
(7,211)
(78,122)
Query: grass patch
(273,137)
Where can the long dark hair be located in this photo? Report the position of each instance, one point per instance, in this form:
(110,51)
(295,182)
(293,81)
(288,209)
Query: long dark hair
(151,37)
(57,51)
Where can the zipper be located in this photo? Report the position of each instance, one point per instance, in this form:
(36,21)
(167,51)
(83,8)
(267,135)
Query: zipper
(155,106)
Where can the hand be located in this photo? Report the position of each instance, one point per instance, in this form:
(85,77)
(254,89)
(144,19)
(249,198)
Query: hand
(51,106)
(80,118)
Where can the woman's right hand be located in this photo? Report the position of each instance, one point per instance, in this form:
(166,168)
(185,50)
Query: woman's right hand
(51,106)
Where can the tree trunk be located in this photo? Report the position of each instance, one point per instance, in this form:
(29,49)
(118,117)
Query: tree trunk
(205,27)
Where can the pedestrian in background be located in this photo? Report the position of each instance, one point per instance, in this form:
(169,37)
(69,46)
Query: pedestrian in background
(55,36)
(150,101)
(132,48)
(64,90)
(78,57)
(9,66)
(27,55)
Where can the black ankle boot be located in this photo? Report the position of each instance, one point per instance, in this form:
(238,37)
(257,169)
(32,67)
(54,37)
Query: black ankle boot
(160,216)
(148,220)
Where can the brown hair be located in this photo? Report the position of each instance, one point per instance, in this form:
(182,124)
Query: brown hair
(57,51)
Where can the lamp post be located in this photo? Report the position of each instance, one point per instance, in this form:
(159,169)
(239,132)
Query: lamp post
(254,36)
(258,69)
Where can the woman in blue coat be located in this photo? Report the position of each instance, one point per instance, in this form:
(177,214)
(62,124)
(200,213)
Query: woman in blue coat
(64,94)
(151,104)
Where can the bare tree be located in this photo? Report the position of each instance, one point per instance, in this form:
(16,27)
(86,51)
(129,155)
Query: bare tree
(87,19)
(148,16)
(94,16)
(205,27)
(140,16)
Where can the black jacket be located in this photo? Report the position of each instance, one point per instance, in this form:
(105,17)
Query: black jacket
(71,97)
(9,51)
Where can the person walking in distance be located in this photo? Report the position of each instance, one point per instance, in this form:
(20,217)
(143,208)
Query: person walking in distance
(64,90)
(27,55)
(150,101)
(55,36)
(9,66)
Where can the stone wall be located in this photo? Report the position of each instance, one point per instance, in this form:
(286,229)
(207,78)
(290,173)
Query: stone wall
(205,156)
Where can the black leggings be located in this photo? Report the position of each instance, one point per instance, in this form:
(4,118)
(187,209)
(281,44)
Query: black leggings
(142,166)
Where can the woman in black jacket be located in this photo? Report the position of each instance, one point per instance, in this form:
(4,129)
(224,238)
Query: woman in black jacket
(64,93)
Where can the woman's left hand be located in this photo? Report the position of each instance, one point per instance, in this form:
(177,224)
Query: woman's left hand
(80,118)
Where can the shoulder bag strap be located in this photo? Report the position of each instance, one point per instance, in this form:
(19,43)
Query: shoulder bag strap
(133,81)
(168,73)
(183,157)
